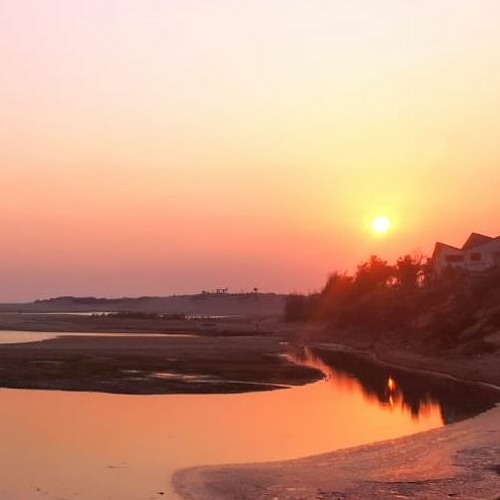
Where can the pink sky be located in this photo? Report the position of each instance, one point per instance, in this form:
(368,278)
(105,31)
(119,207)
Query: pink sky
(172,146)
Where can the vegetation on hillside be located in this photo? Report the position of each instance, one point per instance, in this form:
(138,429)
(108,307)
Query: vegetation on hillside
(402,298)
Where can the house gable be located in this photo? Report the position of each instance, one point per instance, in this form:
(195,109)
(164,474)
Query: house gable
(440,248)
(478,253)
(476,239)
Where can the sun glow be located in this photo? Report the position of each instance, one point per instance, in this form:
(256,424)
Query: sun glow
(381,224)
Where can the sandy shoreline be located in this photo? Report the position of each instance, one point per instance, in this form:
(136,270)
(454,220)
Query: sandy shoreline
(457,461)
(161,364)
(461,460)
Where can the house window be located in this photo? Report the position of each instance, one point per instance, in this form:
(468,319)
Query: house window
(475,257)
(454,258)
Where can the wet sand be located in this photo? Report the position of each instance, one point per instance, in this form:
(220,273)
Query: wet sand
(224,355)
(458,461)
(60,322)
(142,364)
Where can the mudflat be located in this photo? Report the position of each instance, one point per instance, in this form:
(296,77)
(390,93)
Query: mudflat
(159,364)
(237,355)
(100,322)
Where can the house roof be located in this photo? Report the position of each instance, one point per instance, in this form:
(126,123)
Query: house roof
(441,246)
(476,239)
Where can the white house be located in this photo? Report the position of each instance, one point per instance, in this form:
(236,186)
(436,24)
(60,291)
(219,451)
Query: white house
(478,253)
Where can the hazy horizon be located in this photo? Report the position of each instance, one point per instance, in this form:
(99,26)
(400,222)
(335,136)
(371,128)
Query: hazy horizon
(228,293)
(169,147)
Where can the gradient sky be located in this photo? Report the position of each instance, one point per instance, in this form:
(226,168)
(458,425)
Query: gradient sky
(178,145)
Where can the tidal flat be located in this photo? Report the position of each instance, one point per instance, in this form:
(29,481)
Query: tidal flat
(169,406)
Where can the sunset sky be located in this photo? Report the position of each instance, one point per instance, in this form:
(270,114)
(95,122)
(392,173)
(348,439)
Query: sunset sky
(161,146)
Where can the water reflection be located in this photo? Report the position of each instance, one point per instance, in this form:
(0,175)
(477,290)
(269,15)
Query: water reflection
(94,446)
(23,337)
(399,389)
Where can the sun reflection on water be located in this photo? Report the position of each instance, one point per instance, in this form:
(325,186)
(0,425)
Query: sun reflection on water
(397,390)
(386,392)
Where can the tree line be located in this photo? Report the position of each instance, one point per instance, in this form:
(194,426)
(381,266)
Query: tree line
(402,298)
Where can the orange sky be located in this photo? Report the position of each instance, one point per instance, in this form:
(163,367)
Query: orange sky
(158,147)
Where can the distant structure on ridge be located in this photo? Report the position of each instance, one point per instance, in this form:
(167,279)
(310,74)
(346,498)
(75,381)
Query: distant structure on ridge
(478,253)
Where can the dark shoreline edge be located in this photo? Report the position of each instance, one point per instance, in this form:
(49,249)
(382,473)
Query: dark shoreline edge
(374,357)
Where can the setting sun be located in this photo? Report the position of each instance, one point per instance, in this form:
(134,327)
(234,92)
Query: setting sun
(381,224)
(290,181)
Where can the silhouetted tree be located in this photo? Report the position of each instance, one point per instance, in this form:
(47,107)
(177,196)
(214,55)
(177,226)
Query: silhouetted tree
(335,296)
(375,273)
(408,271)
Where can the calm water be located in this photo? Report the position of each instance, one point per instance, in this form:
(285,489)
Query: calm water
(15,337)
(64,445)
(18,337)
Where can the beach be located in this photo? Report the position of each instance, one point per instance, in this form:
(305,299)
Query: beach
(152,364)
(461,460)
(458,461)
(224,355)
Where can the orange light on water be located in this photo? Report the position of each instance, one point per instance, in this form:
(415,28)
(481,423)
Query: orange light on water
(391,384)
